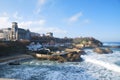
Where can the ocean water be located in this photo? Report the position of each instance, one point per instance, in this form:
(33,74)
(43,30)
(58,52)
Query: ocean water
(111,43)
(93,67)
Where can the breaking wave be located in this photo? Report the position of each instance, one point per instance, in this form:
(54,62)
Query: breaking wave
(109,66)
(109,61)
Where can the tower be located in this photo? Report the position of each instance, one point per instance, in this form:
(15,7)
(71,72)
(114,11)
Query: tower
(14,31)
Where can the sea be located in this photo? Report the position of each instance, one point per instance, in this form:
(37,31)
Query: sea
(93,67)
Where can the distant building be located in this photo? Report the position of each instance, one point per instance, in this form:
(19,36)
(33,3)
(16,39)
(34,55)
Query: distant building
(42,35)
(32,34)
(50,34)
(14,33)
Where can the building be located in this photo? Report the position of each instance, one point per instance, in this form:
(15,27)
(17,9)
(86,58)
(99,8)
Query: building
(14,33)
(32,34)
(50,34)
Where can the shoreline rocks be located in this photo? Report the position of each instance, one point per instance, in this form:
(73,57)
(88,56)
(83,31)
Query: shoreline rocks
(68,55)
(102,50)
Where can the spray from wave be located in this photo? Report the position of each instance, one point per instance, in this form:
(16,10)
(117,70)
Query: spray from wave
(109,66)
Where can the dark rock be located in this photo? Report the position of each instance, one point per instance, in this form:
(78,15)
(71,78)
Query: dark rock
(42,51)
(82,52)
(14,63)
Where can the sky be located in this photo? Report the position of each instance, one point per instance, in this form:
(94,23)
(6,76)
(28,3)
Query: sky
(65,18)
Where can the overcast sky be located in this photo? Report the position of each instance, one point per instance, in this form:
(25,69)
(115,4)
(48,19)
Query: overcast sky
(71,18)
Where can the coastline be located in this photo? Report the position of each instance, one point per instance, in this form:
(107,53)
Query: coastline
(93,67)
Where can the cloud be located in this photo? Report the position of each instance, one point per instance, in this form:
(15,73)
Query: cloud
(79,18)
(86,21)
(75,17)
(29,24)
(17,16)
(39,27)
(4,20)
(4,14)
(41,2)
(53,29)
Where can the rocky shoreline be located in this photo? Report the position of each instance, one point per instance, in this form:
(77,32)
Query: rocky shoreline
(60,53)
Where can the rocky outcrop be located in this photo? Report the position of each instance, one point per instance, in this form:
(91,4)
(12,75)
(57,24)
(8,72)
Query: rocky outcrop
(71,55)
(82,52)
(57,58)
(102,51)
(87,42)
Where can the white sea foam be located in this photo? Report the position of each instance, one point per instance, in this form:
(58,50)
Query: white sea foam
(109,66)
(95,67)
(46,70)
(104,60)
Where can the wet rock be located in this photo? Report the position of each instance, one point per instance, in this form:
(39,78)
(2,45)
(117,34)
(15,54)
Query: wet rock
(108,50)
(67,55)
(82,52)
(73,56)
(103,51)
(61,60)
(58,58)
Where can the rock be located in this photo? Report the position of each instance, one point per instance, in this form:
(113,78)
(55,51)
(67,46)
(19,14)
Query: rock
(42,51)
(73,56)
(108,50)
(79,45)
(57,58)
(72,50)
(98,50)
(67,55)
(102,51)
(42,56)
(62,60)
(14,63)
(82,52)
(87,42)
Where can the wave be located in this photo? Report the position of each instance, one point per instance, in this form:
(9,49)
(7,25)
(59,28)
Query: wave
(50,70)
(107,65)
